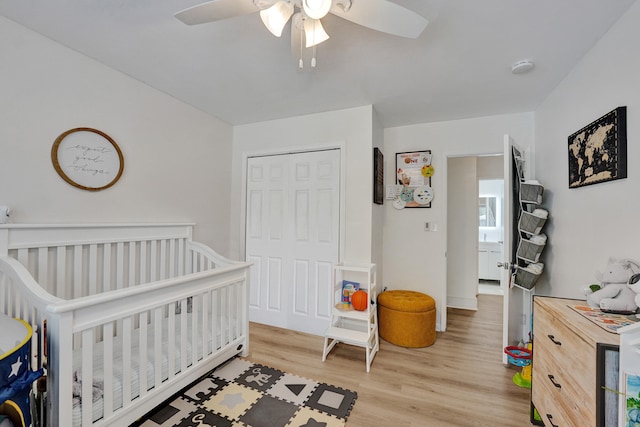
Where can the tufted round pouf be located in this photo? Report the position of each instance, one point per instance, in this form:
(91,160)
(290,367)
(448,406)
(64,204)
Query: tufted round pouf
(407,318)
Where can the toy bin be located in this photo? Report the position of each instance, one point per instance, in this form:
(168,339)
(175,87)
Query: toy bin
(530,250)
(532,223)
(16,375)
(531,192)
(526,277)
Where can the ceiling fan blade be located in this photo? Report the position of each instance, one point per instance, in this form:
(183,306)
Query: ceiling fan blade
(216,10)
(381,15)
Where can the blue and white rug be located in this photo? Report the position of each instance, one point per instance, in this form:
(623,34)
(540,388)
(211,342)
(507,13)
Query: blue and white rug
(244,394)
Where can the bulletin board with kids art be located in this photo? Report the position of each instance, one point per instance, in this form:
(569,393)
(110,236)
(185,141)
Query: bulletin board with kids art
(413,180)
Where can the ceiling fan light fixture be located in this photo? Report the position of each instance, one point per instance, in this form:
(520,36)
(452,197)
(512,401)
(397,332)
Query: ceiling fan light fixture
(314,33)
(276,17)
(316,9)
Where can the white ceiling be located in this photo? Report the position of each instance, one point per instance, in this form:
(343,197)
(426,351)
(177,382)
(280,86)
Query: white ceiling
(237,71)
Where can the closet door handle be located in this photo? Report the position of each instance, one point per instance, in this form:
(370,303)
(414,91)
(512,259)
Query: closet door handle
(554,340)
(554,382)
(550,418)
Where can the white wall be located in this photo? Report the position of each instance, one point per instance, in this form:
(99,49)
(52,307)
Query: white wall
(349,129)
(589,224)
(413,258)
(177,159)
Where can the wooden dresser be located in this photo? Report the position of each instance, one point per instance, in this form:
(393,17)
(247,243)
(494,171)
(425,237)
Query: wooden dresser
(564,375)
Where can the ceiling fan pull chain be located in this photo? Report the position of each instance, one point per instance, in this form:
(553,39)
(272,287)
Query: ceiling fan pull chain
(313,58)
(301,63)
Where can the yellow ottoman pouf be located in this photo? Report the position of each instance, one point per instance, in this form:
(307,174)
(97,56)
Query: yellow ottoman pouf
(407,318)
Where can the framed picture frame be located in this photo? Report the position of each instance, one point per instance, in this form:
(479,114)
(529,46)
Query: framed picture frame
(598,151)
(413,176)
(87,158)
(378,176)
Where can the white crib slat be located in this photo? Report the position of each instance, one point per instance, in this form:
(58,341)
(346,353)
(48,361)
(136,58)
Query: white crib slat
(93,269)
(106,267)
(87,377)
(43,268)
(195,307)
(61,284)
(163,260)
(108,368)
(172,258)
(77,272)
(16,300)
(153,261)
(181,257)
(227,311)
(132,264)
(119,265)
(143,342)
(126,361)
(143,263)
(157,346)
(206,298)
(23,257)
(171,331)
(215,311)
(183,335)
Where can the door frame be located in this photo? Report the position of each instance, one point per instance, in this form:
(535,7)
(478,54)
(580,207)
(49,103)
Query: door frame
(445,216)
(340,146)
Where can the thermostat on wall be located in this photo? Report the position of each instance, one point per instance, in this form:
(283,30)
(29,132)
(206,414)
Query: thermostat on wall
(393,191)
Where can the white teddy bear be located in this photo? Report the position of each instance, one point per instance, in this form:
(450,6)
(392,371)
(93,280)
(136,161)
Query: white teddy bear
(614,294)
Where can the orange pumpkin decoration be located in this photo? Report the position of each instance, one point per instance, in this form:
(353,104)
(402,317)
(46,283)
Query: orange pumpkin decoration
(360,300)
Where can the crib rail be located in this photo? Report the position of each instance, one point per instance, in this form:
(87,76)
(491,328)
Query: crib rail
(164,331)
(147,313)
(73,261)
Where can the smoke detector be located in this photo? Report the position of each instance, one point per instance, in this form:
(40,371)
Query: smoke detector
(522,67)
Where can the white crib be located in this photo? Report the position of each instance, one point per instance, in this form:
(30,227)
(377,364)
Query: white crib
(133,313)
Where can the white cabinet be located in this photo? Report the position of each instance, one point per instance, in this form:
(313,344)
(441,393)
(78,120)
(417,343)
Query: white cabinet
(349,326)
(489,255)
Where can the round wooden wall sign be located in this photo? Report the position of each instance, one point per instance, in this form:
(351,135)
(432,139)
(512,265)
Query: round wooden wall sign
(87,158)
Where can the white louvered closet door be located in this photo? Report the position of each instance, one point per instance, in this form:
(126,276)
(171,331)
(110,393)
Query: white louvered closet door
(292,237)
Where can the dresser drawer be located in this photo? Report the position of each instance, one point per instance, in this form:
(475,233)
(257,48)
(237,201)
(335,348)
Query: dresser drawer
(556,393)
(549,406)
(569,353)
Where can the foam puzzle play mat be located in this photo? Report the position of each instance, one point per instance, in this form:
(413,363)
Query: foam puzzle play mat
(245,394)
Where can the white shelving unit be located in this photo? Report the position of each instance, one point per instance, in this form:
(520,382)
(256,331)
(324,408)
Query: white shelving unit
(349,326)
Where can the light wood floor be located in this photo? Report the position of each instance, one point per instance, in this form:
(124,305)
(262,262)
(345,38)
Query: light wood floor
(458,381)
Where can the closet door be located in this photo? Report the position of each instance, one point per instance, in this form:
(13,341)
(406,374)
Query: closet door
(292,238)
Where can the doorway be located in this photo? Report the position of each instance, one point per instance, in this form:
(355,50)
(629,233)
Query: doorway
(490,233)
(292,238)
(466,230)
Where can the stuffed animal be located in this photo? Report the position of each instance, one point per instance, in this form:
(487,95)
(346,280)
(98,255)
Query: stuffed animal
(613,294)
(634,285)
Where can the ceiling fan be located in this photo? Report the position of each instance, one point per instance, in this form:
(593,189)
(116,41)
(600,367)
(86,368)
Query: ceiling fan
(306,15)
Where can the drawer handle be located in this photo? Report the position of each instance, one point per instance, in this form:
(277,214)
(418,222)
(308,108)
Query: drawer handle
(550,418)
(553,381)
(554,340)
